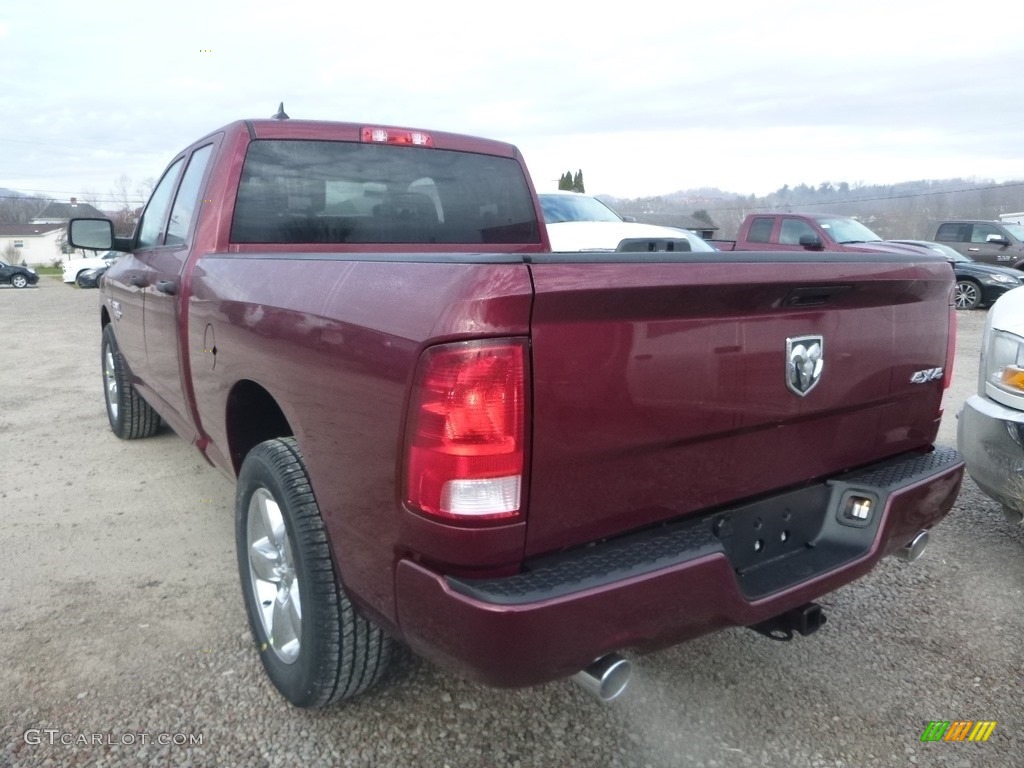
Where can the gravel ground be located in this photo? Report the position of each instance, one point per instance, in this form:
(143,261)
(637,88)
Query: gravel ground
(122,629)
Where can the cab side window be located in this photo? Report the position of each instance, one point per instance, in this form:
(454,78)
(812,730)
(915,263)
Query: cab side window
(151,226)
(793,229)
(982,231)
(185,203)
(760,230)
(953,233)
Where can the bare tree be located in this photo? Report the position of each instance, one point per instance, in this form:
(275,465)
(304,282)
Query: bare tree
(145,188)
(21,209)
(126,212)
(90,196)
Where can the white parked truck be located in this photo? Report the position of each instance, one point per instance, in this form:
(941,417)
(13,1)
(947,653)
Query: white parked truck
(72,268)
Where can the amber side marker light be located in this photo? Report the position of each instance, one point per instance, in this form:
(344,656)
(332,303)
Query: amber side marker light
(466,431)
(1013,377)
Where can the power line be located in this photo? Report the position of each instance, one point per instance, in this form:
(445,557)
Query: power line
(61,145)
(48,191)
(136,201)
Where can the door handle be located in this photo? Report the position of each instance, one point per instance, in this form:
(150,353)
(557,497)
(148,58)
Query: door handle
(138,281)
(974,249)
(170,287)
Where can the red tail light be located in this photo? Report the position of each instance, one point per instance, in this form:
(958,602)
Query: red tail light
(466,433)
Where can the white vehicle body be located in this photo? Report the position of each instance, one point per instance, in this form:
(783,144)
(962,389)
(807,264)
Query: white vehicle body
(990,429)
(577,222)
(72,268)
(1012,218)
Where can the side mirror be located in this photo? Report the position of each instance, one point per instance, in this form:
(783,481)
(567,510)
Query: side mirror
(997,240)
(811,242)
(630,219)
(91,234)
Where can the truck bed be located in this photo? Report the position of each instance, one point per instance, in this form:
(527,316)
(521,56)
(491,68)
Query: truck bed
(665,381)
(659,383)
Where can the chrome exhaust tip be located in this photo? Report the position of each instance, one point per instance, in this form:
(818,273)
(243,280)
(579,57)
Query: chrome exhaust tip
(606,678)
(914,549)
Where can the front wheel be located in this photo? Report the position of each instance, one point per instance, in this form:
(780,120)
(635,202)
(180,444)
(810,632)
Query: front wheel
(130,416)
(19,281)
(314,646)
(967,294)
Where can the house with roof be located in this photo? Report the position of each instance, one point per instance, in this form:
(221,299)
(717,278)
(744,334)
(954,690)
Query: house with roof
(31,244)
(702,227)
(44,240)
(62,213)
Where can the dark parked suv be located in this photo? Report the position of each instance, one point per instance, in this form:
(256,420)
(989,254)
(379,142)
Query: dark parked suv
(990,242)
(17,276)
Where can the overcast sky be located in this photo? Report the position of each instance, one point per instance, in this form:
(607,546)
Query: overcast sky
(646,99)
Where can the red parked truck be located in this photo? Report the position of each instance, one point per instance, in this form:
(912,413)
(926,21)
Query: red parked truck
(807,231)
(517,462)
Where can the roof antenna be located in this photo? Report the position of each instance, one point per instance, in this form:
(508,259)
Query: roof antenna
(281,115)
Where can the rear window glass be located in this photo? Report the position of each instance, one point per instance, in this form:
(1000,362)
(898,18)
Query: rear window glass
(760,230)
(954,233)
(341,192)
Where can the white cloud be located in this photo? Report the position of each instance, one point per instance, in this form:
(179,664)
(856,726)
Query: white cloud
(739,97)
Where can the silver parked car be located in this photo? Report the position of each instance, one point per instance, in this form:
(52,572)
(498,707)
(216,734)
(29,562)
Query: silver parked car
(990,430)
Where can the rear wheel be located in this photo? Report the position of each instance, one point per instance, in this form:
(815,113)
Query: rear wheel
(314,646)
(130,416)
(19,281)
(967,294)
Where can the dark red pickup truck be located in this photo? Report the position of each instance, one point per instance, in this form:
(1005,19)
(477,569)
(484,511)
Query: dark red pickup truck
(807,231)
(517,462)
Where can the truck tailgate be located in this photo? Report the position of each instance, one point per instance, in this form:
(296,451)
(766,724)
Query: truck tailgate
(661,386)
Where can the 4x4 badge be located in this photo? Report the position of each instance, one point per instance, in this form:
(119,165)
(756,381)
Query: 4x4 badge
(805,358)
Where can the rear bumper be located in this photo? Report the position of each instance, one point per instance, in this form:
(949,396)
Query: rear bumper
(991,438)
(654,589)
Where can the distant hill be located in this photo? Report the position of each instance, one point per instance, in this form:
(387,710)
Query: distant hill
(909,209)
(19,208)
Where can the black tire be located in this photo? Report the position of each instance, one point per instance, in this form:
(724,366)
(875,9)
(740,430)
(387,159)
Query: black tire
(967,294)
(79,282)
(324,651)
(19,281)
(130,416)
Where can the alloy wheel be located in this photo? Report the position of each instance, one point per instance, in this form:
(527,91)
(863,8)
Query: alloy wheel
(272,576)
(966,296)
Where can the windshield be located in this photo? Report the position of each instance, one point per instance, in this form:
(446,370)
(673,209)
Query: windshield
(559,208)
(949,253)
(845,230)
(1016,230)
